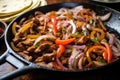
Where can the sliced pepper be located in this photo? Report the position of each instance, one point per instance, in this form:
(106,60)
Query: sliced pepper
(92,35)
(109,51)
(60,51)
(14,28)
(26,27)
(64,42)
(94,48)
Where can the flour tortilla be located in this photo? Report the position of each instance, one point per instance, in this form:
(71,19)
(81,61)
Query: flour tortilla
(43,2)
(8,7)
(36,3)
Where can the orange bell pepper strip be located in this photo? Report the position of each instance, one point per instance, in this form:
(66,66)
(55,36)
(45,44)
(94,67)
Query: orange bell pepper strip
(14,28)
(109,51)
(64,42)
(54,23)
(60,51)
(93,48)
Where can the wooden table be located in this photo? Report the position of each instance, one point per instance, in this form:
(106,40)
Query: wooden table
(5,68)
(58,1)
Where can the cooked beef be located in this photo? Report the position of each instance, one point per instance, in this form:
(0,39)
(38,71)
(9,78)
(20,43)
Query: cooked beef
(47,57)
(27,57)
(26,52)
(28,42)
(21,46)
(31,49)
(39,59)
(16,39)
(65,61)
(43,46)
(52,47)
(38,13)
(43,64)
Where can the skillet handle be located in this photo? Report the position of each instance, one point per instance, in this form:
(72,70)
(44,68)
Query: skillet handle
(2,57)
(22,67)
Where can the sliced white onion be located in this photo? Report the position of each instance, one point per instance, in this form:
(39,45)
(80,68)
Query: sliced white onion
(111,38)
(42,37)
(79,8)
(73,25)
(105,17)
(117,43)
(115,49)
(117,40)
(116,54)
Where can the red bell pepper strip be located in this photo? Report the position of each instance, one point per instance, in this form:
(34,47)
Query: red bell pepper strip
(109,51)
(54,23)
(64,42)
(60,51)
(93,48)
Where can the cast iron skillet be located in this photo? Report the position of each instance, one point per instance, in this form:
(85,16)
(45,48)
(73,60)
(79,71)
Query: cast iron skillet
(24,66)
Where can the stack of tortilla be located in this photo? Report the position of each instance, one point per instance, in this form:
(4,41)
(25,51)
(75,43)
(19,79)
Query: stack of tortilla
(9,9)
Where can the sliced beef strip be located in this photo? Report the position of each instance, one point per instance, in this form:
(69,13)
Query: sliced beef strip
(44,45)
(31,48)
(24,44)
(21,46)
(47,57)
(52,47)
(28,42)
(43,64)
(27,57)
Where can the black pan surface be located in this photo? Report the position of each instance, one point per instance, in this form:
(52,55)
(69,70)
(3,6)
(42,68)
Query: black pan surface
(113,24)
